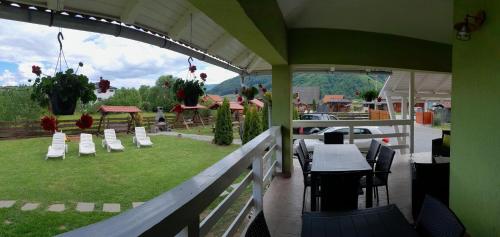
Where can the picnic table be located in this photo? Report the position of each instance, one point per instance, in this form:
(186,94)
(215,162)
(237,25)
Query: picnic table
(196,115)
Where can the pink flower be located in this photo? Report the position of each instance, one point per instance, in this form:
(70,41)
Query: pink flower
(203,76)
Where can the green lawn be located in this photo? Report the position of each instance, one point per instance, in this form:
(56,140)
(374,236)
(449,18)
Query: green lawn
(207,130)
(118,177)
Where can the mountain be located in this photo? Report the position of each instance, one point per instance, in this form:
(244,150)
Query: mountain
(343,83)
(210,86)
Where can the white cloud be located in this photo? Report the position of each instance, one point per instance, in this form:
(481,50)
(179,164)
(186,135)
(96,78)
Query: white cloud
(125,62)
(7,78)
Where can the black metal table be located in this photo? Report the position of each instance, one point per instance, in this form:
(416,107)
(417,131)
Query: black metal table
(339,168)
(385,221)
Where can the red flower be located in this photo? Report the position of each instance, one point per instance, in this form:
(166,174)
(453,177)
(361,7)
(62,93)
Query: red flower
(203,76)
(264,90)
(49,123)
(240,99)
(103,85)
(177,109)
(379,99)
(192,68)
(85,121)
(180,94)
(36,70)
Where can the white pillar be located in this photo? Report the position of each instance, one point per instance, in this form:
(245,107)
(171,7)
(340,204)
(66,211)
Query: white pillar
(404,114)
(392,114)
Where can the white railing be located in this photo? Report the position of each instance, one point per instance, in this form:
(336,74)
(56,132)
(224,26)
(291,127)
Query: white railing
(177,212)
(351,124)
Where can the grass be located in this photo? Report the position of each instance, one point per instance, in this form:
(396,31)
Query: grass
(444,126)
(207,130)
(118,177)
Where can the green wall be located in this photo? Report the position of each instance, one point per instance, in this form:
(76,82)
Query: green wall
(346,47)
(475,165)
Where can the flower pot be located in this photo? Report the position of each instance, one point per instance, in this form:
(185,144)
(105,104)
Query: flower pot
(191,100)
(60,107)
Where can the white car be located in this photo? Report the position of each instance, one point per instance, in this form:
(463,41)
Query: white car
(363,144)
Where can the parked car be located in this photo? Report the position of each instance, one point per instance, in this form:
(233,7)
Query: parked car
(314,116)
(363,144)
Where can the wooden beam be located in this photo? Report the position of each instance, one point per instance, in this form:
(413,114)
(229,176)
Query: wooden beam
(57,5)
(253,63)
(131,11)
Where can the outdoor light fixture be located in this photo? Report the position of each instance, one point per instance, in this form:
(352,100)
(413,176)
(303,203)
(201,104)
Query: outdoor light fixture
(471,23)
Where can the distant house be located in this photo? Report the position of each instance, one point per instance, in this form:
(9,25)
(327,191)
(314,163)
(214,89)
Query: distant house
(212,98)
(104,96)
(336,103)
(306,96)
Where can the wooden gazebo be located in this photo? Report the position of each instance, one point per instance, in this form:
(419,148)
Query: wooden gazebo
(108,109)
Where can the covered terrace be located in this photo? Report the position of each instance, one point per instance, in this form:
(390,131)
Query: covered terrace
(281,37)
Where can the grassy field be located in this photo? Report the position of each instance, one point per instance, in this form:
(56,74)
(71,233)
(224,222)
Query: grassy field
(207,130)
(134,175)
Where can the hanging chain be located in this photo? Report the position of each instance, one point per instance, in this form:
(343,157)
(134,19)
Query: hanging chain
(60,38)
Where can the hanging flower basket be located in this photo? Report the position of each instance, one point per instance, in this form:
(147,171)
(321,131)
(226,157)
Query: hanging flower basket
(249,92)
(188,91)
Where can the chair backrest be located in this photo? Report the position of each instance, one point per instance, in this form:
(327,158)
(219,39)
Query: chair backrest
(334,138)
(140,132)
(302,160)
(384,162)
(258,227)
(303,146)
(109,134)
(86,138)
(435,219)
(373,151)
(58,141)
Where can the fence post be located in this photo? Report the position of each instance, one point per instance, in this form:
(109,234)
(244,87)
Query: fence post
(258,183)
(351,134)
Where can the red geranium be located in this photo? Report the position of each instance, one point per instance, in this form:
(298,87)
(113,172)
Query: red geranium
(180,94)
(49,123)
(85,121)
(103,85)
(240,99)
(177,109)
(192,68)
(36,70)
(203,76)
(379,99)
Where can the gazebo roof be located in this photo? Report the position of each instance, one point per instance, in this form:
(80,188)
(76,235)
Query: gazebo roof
(428,85)
(119,109)
(233,106)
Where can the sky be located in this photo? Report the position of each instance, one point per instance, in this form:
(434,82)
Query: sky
(126,63)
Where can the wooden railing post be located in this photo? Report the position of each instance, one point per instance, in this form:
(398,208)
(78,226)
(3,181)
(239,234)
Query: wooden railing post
(194,227)
(258,183)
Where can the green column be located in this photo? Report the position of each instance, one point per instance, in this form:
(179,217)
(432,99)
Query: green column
(282,111)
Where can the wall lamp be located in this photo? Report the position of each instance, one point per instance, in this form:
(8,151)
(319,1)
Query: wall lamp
(470,24)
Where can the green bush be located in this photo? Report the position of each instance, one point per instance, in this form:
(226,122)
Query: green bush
(16,105)
(252,126)
(265,116)
(223,125)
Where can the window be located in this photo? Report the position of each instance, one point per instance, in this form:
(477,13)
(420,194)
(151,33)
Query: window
(362,131)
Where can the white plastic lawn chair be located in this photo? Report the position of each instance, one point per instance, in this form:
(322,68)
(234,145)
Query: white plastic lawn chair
(58,148)
(86,146)
(141,138)
(110,142)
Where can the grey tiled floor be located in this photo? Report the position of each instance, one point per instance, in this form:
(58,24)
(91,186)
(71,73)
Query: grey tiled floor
(283,199)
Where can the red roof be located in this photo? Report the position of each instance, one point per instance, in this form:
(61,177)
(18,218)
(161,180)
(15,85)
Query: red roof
(232,106)
(119,109)
(257,103)
(332,98)
(214,98)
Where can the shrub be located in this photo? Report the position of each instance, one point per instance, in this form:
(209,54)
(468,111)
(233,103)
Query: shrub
(224,125)
(265,116)
(252,126)
(369,95)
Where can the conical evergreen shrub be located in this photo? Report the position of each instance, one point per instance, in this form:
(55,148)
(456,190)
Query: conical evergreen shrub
(223,125)
(265,116)
(252,126)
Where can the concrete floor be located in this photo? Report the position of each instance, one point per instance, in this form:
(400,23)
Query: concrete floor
(283,199)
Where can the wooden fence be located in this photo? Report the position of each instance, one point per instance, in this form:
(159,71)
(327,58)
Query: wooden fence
(27,129)
(379,115)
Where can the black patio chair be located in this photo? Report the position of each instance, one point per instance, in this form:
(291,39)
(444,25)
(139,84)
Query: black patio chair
(382,171)
(307,154)
(333,138)
(371,156)
(306,171)
(258,227)
(437,220)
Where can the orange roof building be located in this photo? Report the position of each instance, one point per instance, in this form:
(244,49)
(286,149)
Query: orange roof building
(333,98)
(213,98)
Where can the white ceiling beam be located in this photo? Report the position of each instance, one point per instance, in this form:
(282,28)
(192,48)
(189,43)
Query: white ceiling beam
(57,5)
(443,82)
(254,63)
(421,83)
(183,24)
(241,58)
(131,11)
(219,43)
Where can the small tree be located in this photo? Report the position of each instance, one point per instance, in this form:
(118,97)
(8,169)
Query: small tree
(265,116)
(314,105)
(252,126)
(223,125)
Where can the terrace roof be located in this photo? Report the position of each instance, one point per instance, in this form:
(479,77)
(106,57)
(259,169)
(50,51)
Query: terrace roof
(428,85)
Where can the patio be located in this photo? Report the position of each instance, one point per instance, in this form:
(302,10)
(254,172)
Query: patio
(283,199)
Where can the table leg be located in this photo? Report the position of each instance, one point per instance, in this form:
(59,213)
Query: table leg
(369,190)
(313,187)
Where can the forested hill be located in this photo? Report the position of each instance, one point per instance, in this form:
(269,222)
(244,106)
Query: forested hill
(330,83)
